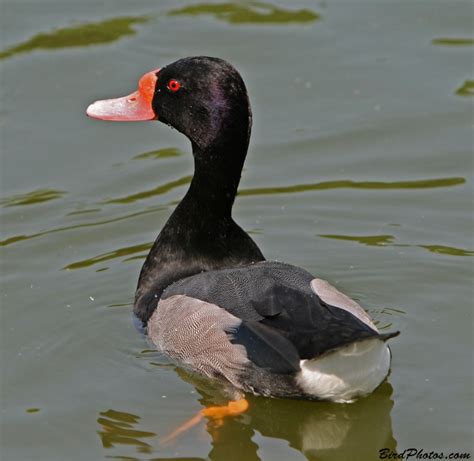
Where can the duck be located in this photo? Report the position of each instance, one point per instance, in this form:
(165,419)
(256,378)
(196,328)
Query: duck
(206,295)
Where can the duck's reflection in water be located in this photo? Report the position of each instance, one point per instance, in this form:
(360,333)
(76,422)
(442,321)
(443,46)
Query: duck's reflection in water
(120,428)
(319,430)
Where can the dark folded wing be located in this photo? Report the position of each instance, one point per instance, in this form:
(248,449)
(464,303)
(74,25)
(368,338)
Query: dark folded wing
(283,319)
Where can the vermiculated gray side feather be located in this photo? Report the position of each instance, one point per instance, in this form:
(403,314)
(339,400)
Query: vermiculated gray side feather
(195,333)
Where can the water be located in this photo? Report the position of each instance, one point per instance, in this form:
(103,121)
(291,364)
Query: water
(360,170)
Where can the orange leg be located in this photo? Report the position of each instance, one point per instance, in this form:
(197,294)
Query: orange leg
(216,414)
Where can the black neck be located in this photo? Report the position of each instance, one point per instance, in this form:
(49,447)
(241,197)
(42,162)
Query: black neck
(200,235)
(217,171)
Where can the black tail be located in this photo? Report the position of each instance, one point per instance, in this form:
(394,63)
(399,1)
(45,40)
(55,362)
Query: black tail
(386,336)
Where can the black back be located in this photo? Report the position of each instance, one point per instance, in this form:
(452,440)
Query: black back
(283,320)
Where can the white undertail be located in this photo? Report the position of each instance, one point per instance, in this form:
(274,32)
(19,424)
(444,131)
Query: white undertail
(352,371)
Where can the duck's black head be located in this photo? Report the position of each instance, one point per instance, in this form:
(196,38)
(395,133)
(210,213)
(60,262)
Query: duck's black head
(202,97)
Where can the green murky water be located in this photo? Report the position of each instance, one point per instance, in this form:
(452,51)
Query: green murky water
(360,170)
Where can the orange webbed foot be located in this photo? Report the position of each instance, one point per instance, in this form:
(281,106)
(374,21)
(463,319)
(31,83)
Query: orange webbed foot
(234,407)
(215,414)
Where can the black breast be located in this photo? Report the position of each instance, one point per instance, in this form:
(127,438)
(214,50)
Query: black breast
(180,252)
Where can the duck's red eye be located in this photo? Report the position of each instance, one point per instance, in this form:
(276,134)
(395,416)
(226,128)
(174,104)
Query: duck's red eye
(174,85)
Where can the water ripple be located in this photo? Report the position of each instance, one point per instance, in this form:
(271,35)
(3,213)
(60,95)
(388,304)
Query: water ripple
(19,238)
(248,13)
(117,429)
(348,184)
(467,88)
(387,240)
(126,251)
(453,41)
(32,198)
(89,34)
(90,210)
(445,250)
(163,189)
(370,240)
(160,153)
